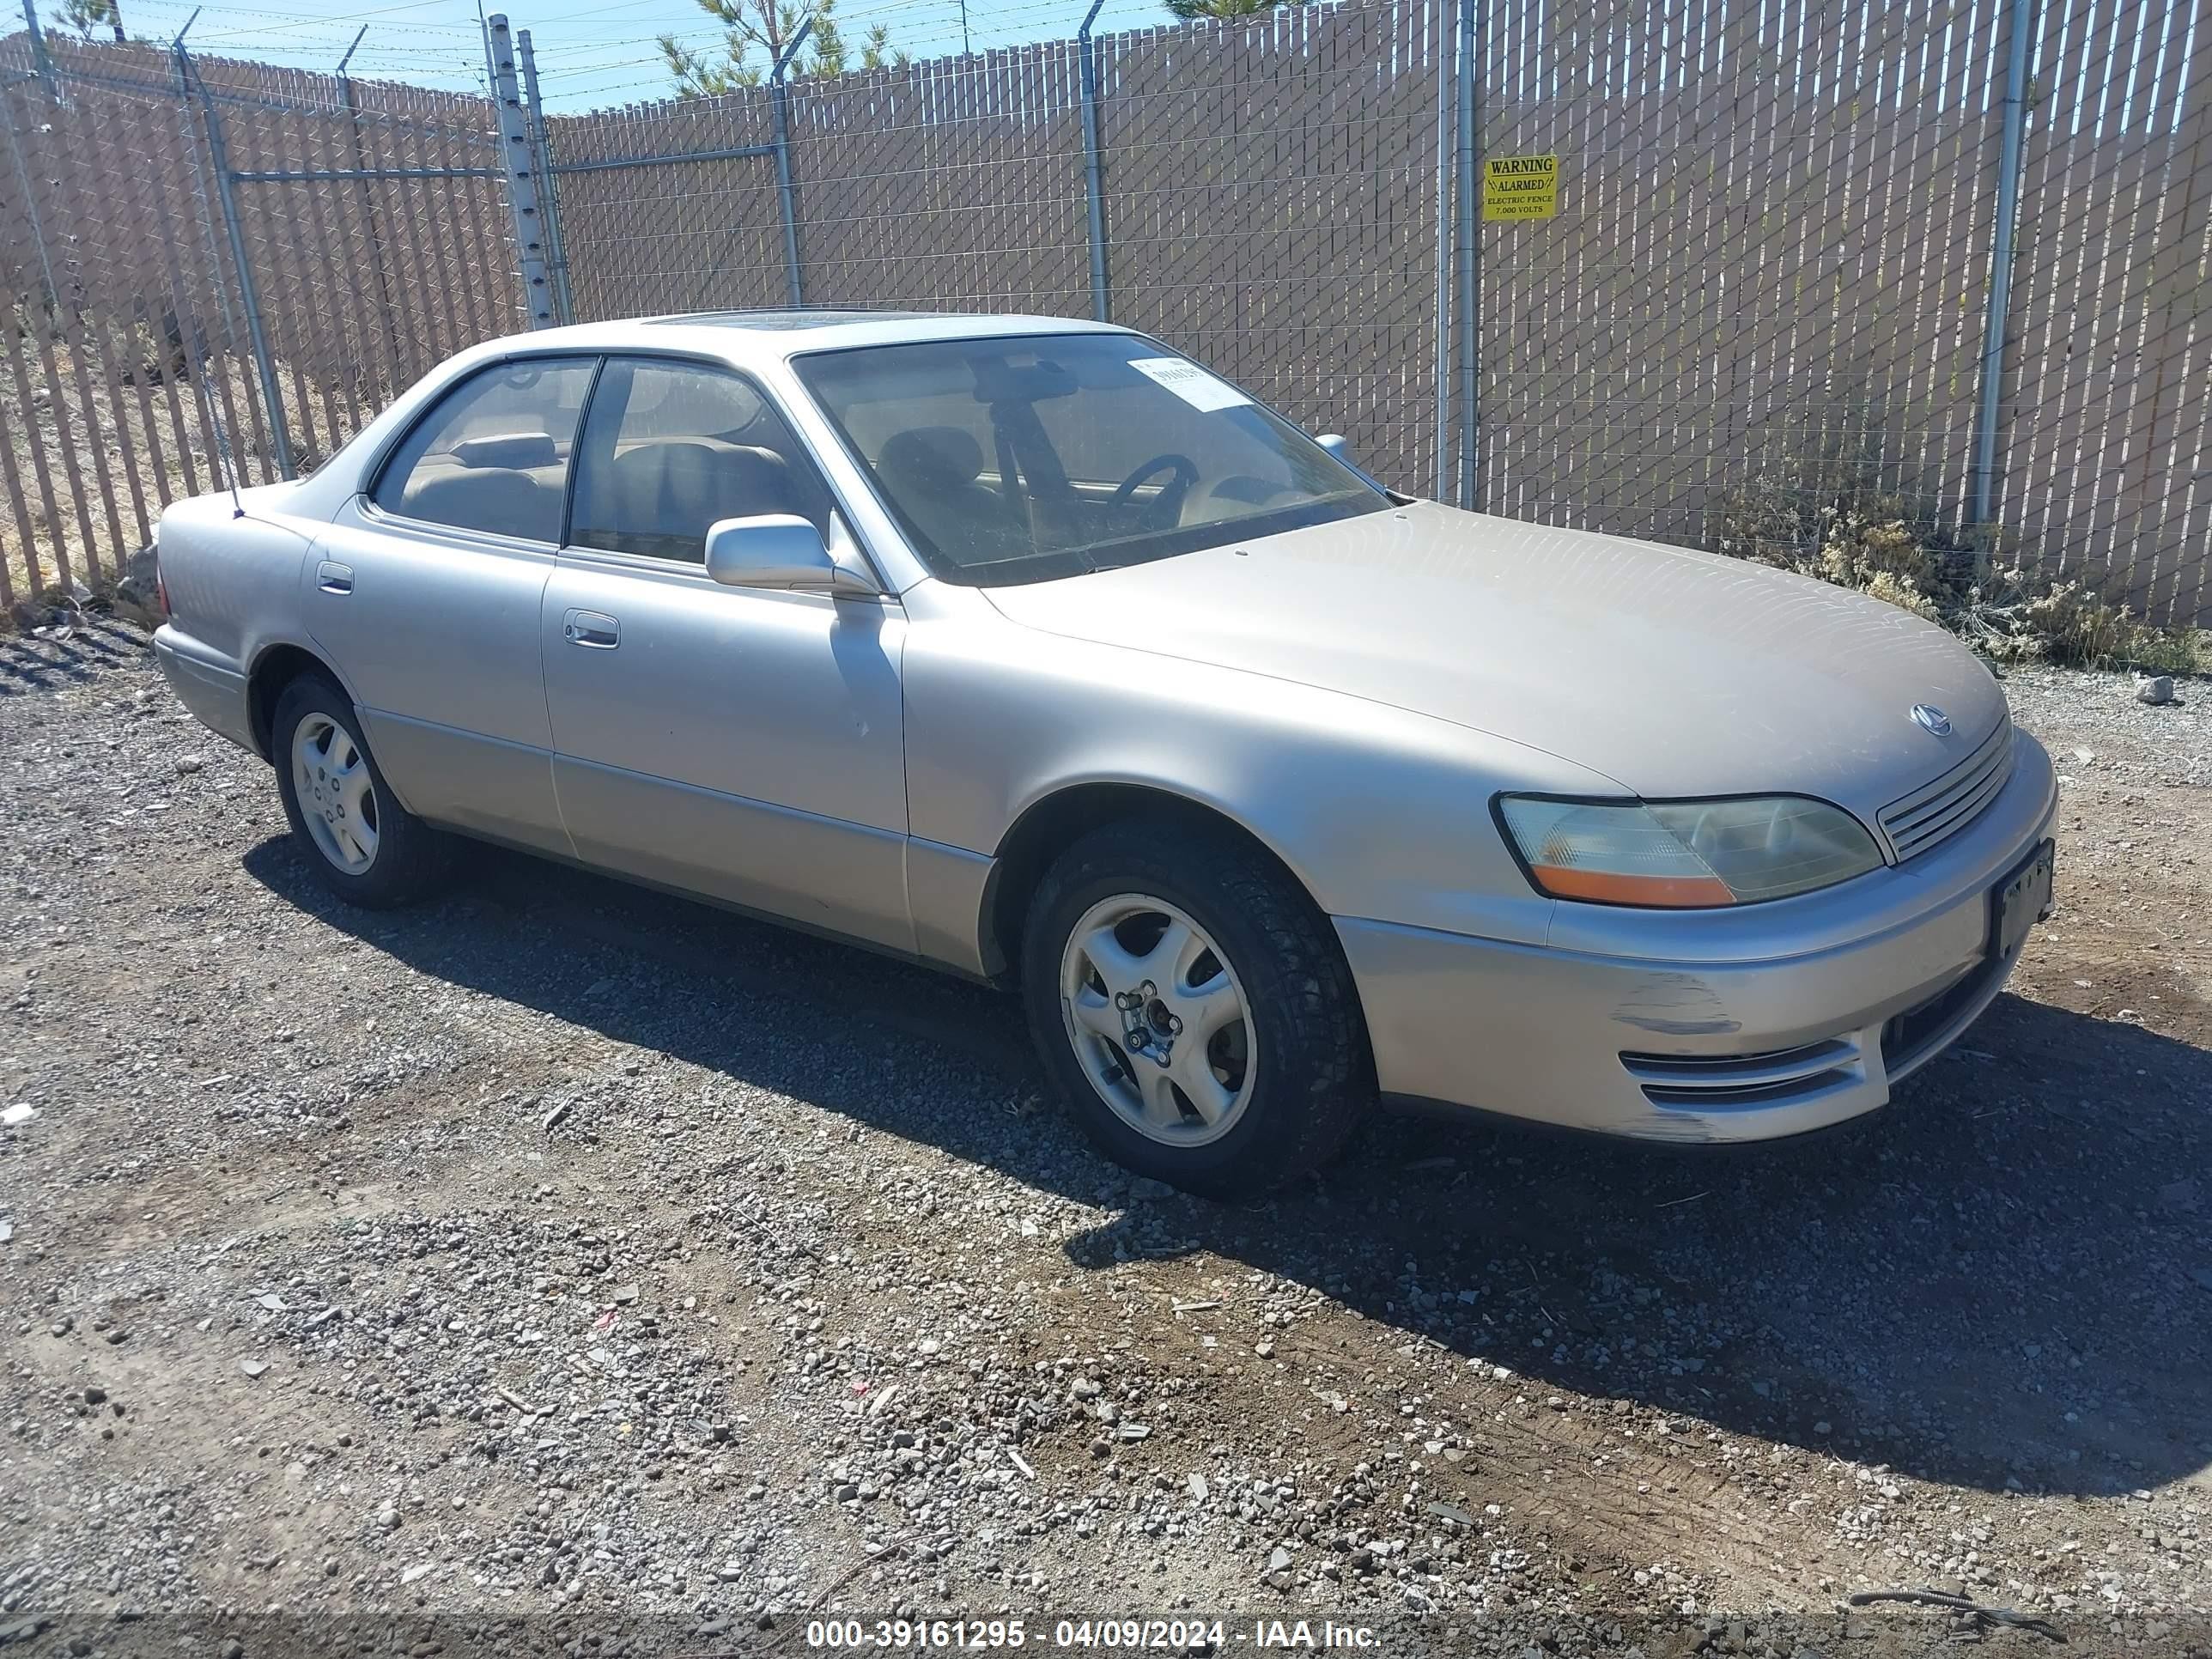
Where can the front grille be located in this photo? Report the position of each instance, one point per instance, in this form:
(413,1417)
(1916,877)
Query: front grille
(1721,1081)
(1930,815)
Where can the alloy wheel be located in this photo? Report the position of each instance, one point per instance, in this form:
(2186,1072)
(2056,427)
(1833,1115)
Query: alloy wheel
(337,796)
(1158,1019)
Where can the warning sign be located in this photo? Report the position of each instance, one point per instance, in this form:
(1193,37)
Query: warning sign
(1519,186)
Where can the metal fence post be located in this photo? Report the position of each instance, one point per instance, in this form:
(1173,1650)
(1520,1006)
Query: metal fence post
(780,94)
(520,168)
(541,149)
(386,311)
(1094,188)
(40,62)
(1470,253)
(1444,55)
(30,198)
(2001,262)
(249,297)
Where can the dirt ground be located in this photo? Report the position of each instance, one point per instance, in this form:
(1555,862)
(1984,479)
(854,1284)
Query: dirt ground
(564,1268)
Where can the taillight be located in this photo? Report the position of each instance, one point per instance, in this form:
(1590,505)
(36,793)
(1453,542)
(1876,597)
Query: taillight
(160,588)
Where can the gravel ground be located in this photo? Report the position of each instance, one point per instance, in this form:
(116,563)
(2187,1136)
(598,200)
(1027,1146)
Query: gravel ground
(567,1268)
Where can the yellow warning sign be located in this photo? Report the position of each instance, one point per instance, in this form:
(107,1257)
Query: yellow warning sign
(1519,186)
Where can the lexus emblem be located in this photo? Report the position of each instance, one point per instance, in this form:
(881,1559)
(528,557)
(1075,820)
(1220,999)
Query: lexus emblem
(1928,718)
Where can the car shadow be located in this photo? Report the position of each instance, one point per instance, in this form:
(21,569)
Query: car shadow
(72,654)
(2003,1281)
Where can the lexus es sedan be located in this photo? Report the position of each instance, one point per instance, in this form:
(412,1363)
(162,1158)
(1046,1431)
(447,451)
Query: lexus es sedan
(1034,650)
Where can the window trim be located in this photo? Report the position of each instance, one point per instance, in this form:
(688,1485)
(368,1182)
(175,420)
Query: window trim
(781,410)
(753,384)
(373,476)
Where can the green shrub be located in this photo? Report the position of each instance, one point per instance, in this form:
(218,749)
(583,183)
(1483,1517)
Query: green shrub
(2018,619)
(1828,518)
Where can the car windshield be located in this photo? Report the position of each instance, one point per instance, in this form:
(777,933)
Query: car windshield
(1021,459)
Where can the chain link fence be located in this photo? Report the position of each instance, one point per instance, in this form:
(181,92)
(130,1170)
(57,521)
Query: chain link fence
(2104,435)
(1765,284)
(214,270)
(1946,259)
(1268,198)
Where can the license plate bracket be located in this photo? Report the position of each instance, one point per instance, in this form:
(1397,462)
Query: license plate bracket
(2020,901)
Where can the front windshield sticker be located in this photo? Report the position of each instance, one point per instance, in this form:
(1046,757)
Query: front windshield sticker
(1189,382)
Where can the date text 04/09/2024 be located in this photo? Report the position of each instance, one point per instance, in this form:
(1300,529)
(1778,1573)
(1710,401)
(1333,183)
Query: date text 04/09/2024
(1170,1635)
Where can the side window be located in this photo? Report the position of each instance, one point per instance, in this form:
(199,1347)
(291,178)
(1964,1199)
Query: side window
(493,454)
(671,448)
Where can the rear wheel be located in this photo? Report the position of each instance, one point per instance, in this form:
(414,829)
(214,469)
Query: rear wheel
(1194,1007)
(360,840)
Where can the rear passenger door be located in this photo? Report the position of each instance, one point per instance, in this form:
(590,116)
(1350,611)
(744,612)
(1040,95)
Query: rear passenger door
(424,594)
(738,742)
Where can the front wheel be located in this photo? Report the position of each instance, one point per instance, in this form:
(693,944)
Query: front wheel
(366,847)
(1194,1007)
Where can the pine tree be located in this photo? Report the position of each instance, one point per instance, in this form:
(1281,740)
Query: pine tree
(755,31)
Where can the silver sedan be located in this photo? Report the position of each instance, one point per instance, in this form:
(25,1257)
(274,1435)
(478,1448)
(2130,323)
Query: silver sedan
(1035,651)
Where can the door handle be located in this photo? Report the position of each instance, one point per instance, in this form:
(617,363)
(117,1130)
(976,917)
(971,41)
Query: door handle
(593,629)
(333,577)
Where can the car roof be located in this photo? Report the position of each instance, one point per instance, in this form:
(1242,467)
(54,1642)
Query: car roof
(786,333)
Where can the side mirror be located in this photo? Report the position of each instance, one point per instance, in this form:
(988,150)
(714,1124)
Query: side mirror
(1337,445)
(777,550)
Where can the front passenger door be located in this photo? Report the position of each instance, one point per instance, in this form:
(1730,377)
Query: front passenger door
(740,744)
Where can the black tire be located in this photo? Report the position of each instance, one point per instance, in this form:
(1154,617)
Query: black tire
(1316,1077)
(410,857)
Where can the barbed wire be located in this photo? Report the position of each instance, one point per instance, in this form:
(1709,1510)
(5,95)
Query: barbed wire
(627,66)
(622,64)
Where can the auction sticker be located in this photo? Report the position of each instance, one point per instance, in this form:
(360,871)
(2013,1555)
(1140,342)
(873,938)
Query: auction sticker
(1189,382)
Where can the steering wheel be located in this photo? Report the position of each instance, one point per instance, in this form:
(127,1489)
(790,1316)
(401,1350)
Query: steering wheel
(1167,507)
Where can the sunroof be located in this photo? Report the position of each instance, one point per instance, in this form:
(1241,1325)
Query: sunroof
(787,319)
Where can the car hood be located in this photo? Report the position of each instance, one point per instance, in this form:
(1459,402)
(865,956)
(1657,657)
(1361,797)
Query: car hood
(1670,670)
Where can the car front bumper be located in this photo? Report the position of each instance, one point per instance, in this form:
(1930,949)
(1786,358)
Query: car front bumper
(1745,1024)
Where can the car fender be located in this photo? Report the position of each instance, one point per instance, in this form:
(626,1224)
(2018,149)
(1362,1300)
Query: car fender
(1379,812)
(301,640)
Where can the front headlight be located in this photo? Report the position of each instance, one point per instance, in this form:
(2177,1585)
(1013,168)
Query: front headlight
(1686,854)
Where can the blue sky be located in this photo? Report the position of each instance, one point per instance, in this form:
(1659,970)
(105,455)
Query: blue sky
(589,55)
